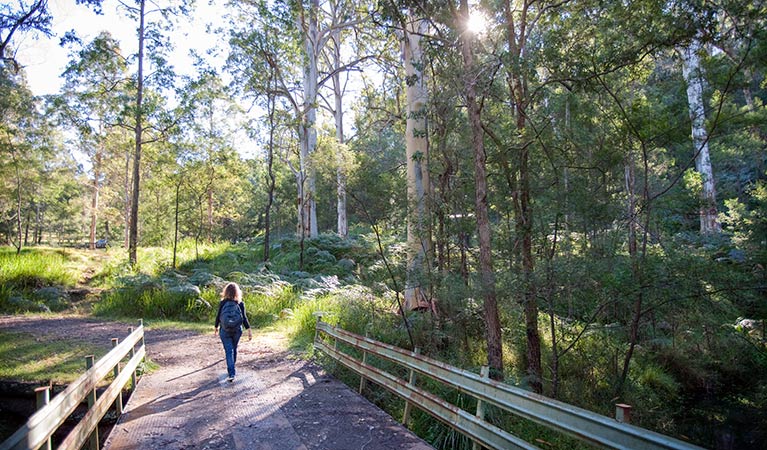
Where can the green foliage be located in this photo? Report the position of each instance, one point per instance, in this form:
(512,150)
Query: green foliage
(35,280)
(748,222)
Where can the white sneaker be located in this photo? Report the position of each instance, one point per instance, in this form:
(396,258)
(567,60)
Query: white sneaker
(230,379)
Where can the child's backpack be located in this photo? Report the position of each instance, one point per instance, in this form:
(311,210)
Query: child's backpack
(231,316)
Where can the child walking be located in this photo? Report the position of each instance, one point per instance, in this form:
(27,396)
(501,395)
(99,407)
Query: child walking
(230,320)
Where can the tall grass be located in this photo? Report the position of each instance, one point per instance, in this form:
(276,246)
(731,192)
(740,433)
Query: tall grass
(35,268)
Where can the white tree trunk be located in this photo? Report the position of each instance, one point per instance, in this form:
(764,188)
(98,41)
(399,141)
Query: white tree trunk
(693,76)
(343,227)
(307,131)
(417,154)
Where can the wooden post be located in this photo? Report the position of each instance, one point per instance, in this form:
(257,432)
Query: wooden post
(364,361)
(43,397)
(119,399)
(132,352)
(94,438)
(485,373)
(410,383)
(623,413)
(141,324)
(318,315)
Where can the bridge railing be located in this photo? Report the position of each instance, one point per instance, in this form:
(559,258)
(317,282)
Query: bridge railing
(37,432)
(595,429)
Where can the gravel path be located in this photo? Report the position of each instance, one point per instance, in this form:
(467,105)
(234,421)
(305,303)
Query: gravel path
(276,402)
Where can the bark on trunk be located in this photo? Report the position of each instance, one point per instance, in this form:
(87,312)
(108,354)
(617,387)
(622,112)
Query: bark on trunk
(693,76)
(417,155)
(26,227)
(343,226)
(18,201)
(487,274)
(127,195)
(271,180)
(307,132)
(209,230)
(175,224)
(95,198)
(38,236)
(133,237)
(517,36)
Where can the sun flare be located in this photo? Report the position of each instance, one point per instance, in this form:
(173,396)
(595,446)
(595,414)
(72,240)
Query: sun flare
(477,22)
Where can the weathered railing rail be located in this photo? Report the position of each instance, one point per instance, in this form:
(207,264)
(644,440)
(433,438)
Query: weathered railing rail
(598,430)
(37,432)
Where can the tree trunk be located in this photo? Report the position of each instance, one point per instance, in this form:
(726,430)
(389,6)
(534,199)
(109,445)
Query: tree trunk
(38,236)
(271,180)
(463,238)
(95,199)
(417,155)
(26,227)
(343,225)
(487,274)
(209,227)
(443,228)
(307,132)
(524,224)
(693,76)
(175,224)
(133,236)
(127,195)
(18,201)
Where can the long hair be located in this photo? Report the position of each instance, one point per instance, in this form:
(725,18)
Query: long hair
(232,292)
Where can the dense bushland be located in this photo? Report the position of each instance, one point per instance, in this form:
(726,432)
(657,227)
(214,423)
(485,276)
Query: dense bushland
(699,370)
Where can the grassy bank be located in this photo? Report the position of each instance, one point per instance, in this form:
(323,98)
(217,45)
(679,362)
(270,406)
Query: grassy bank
(27,358)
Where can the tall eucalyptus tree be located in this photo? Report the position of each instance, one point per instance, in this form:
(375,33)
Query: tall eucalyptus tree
(289,35)
(486,271)
(150,39)
(521,21)
(692,71)
(417,160)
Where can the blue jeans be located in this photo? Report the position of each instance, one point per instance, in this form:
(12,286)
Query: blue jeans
(230,341)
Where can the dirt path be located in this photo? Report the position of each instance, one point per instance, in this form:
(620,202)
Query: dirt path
(276,402)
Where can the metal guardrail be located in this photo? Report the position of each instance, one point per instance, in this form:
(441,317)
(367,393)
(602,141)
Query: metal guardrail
(37,432)
(595,429)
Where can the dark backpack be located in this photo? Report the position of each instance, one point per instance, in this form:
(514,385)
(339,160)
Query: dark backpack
(231,316)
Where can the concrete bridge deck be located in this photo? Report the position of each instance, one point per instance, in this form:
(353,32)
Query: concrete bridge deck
(276,403)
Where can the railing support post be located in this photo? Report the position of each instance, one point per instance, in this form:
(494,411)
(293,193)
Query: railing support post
(94,438)
(132,352)
(119,400)
(485,374)
(42,398)
(623,413)
(410,383)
